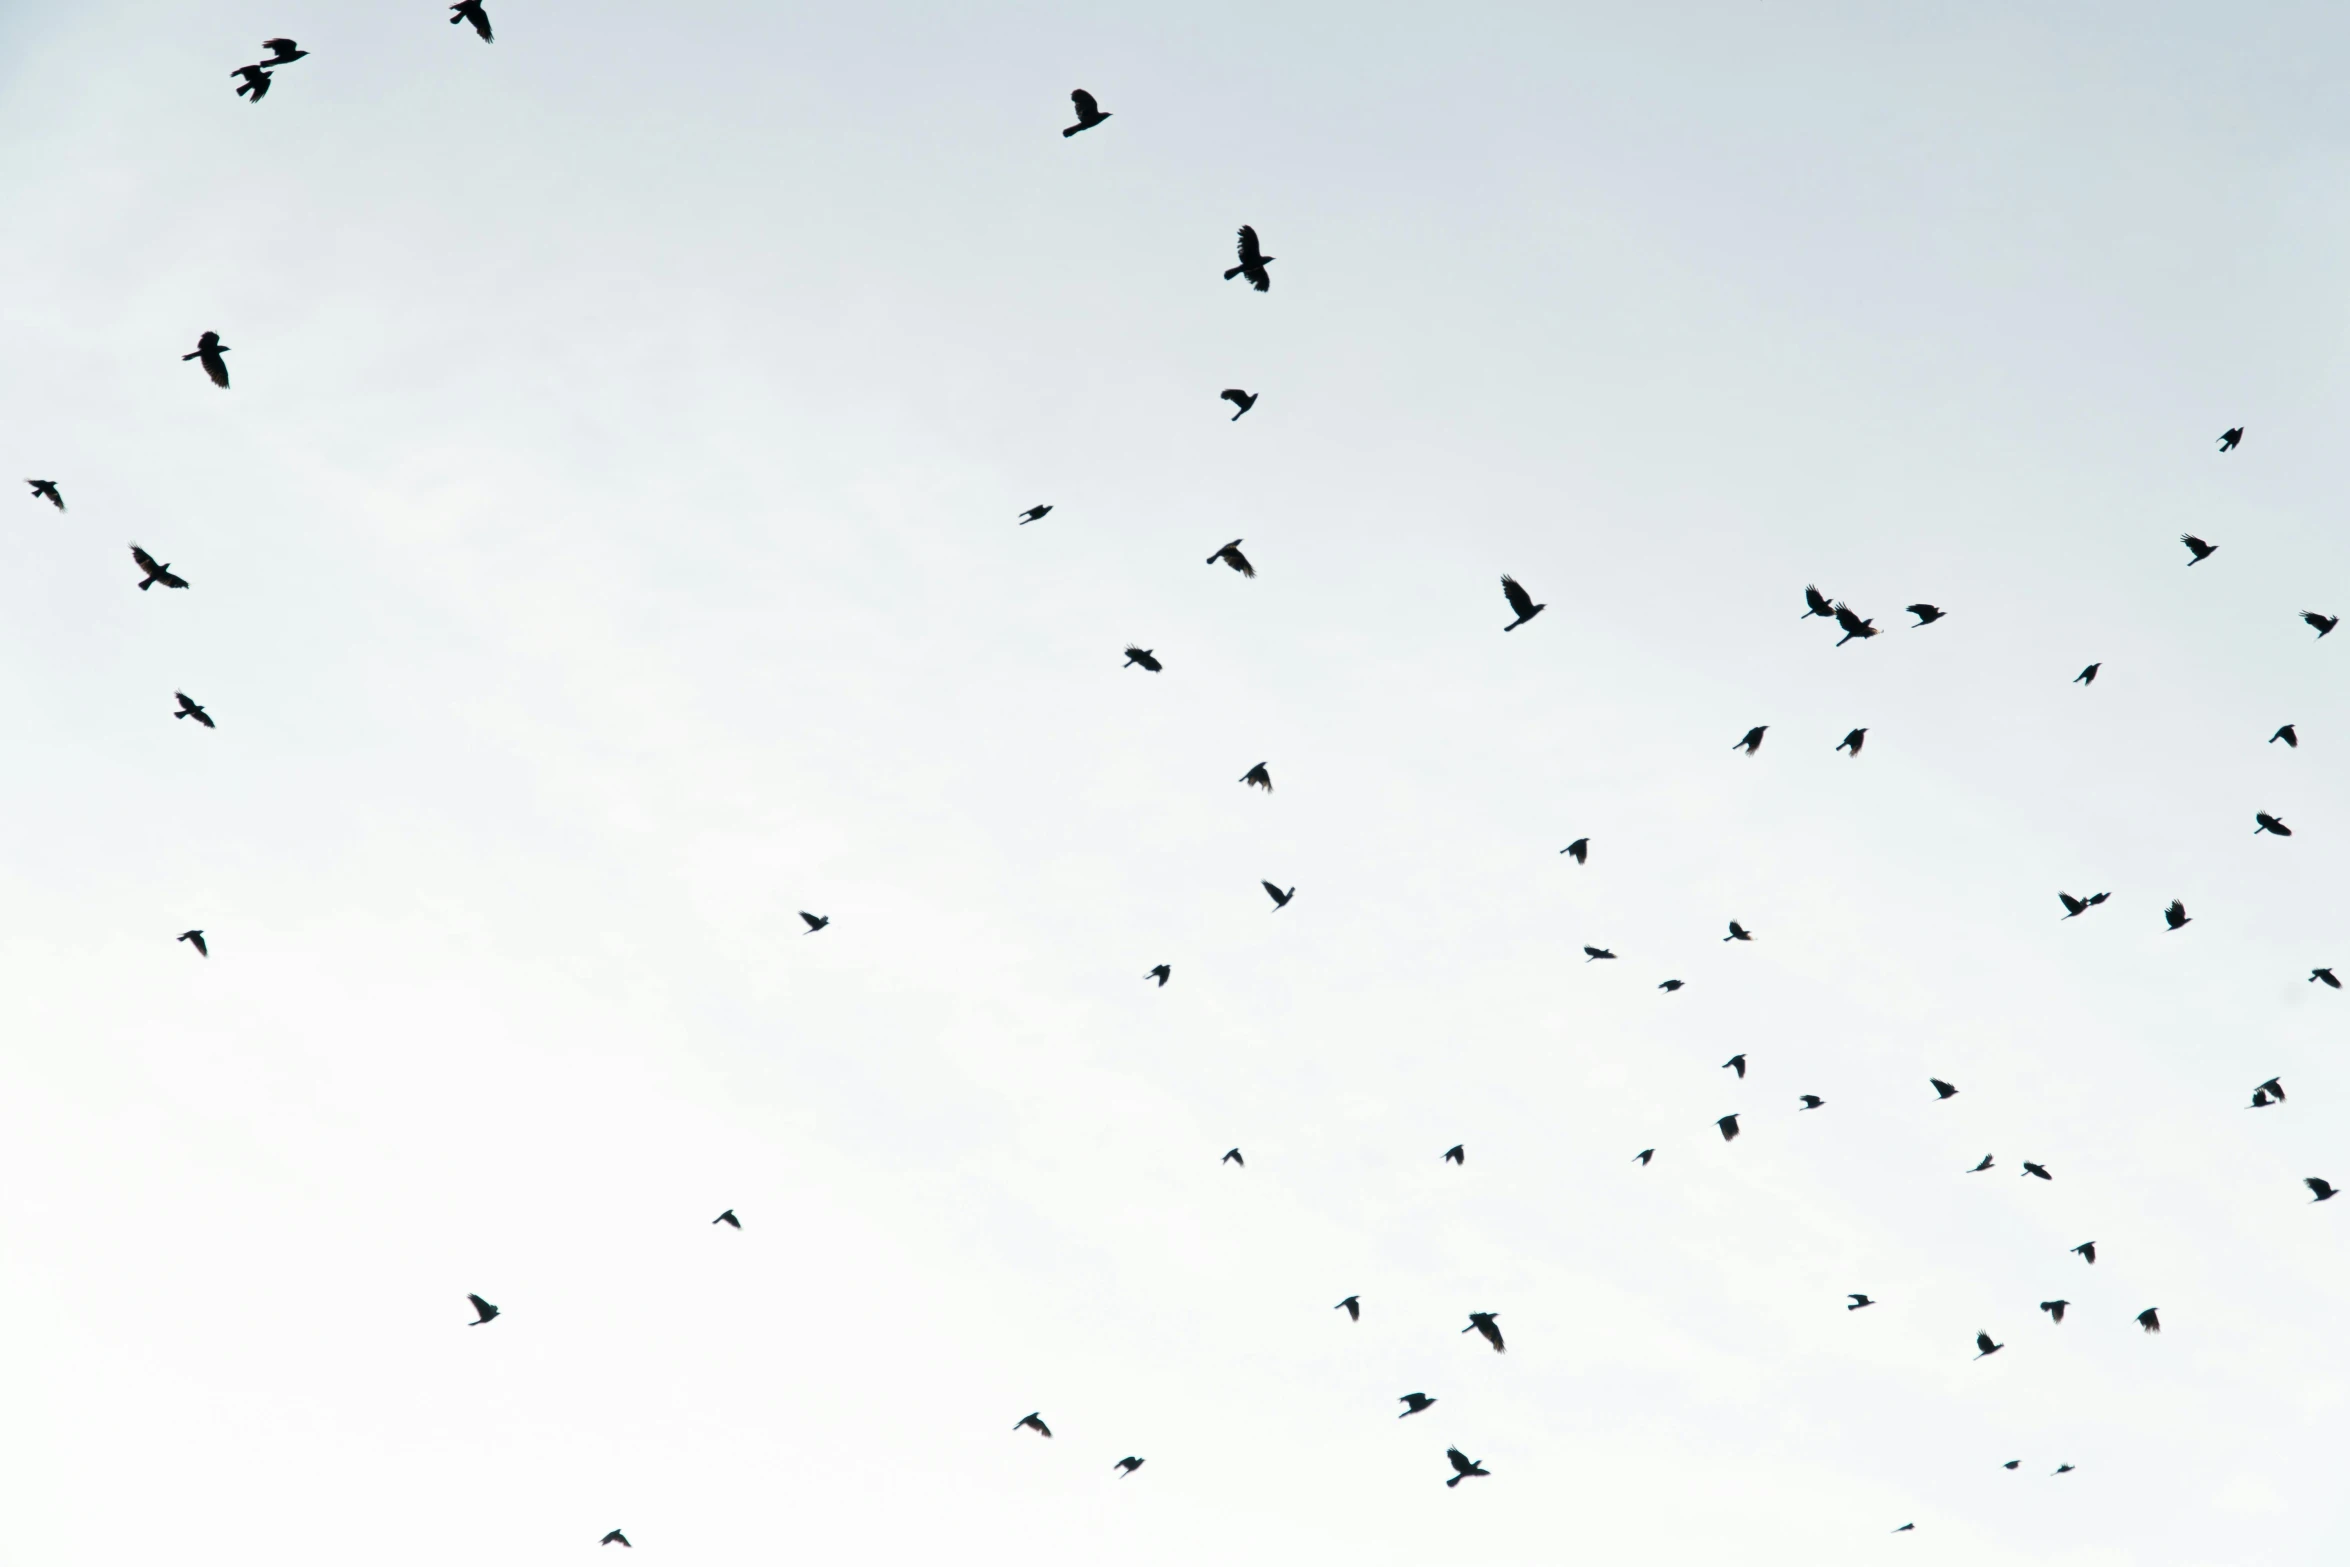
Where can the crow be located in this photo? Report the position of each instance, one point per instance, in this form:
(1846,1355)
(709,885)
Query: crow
(1811,1101)
(1859,1301)
(2326,975)
(1127,1465)
(282,51)
(2060,1469)
(1230,555)
(195,938)
(1240,400)
(615,1538)
(2321,623)
(255,82)
(1728,1126)
(2148,1321)
(209,348)
(1594,954)
(1853,625)
(816,922)
(2039,1170)
(1465,1467)
(1752,741)
(1352,1306)
(471,11)
(2286,734)
(1162,973)
(2087,677)
(1669,986)
(1522,602)
(1457,1153)
(2229,440)
(1737,1064)
(189,708)
(1089,113)
(2319,1185)
(2176,915)
(1943,1090)
(1644,1155)
(727,1218)
(2073,905)
(1417,1401)
(2269,824)
(2197,548)
(1033,1421)
(1852,742)
(2055,1309)
(1580,849)
(1927,614)
(1036,513)
(1258,776)
(1280,898)
(46,490)
(1984,1346)
(1816,603)
(483,1310)
(1483,1322)
(1980,1168)
(1143,656)
(2274,1088)
(2087,1251)
(1253,262)
(1738,932)
(1232,1156)
(155,573)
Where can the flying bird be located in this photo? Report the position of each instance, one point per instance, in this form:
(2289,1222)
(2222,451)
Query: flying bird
(2261,1098)
(1352,1306)
(615,1538)
(2013,1463)
(471,11)
(1905,1528)
(1853,625)
(1943,1090)
(1230,555)
(2229,440)
(1852,742)
(1816,603)
(46,490)
(2274,1088)
(816,922)
(1594,954)
(727,1218)
(209,348)
(155,573)
(1522,602)
(1728,1126)
(2086,1251)
(1465,1467)
(2286,734)
(2073,905)
(1258,777)
(1669,986)
(1737,1064)
(1232,1156)
(2039,1170)
(1032,1421)
(1143,656)
(1089,113)
(2176,915)
(255,82)
(1738,932)
(1580,849)
(1457,1153)
(1127,1465)
(190,708)
(1280,898)
(1980,1168)
(2148,1321)
(1644,1155)
(2197,548)
(2060,1469)
(1253,262)
(2269,824)
(2327,976)
(2320,1186)
(1927,614)
(1859,1301)
(1811,1101)
(1752,741)
(2055,1309)
(195,938)
(1241,401)
(1417,1401)
(1162,973)
(1984,1346)
(2322,623)
(1036,513)
(1483,1322)
(2087,677)
(483,1311)
(282,51)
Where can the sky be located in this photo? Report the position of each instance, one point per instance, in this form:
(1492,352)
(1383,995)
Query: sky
(607,549)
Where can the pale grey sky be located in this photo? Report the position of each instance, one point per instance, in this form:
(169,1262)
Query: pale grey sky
(607,549)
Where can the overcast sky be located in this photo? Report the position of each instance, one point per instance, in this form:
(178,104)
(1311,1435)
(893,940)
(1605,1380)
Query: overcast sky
(607,550)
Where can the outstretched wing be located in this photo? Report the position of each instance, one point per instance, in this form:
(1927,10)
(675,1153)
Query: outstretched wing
(146,561)
(1271,891)
(1250,253)
(1849,621)
(1235,396)
(1521,601)
(1086,107)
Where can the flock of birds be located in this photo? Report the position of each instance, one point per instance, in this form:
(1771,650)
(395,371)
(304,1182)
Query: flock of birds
(1253,266)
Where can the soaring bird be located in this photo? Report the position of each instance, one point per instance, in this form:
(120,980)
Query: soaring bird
(1594,954)
(155,573)
(1241,401)
(282,51)
(1457,1153)
(1143,656)
(1984,1346)
(1033,1421)
(1127,1465)
(254,83)
(1352,1306)
(1927,614)
(2073,905)
(2176,915)
(1751,742)
(2327,976)
(2087,677)
(2039,1170)
(1230,555)
(1738,932)
(1728,1126)
(816,922)
(1580,849)
(1852,742)
(728,1219)
(1465,1467)
(1089,113)
(2269,824)
(1280,898)
(1943,1090)
(2197,548)
(1644,1155)
(1416,1401)
(1811,1101)
(1522,602)
(209,348)
(483,1311)
(2319,1185)
(46,490)
(1669,986)
(2086,1251)
(1036,513)
(2286,734)
(471,11)
(195,938)
(1816,603)
(1853,625)
(1737,1064)
(1980,1168)
(1859,1301)
(2148,1321)
(1162,973)
(190,708)
(2321,623)
(615,1538)
(2055,1309)
(1232,1156)
(1483,1322)
(2229,440)
(1259,777)
(1253,262)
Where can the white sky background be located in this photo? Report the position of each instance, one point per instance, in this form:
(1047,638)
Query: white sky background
(607,550)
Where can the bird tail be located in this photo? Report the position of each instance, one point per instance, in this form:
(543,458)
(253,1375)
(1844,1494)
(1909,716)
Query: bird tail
(144,586)
(1455,1480)
(1232,272)
(1072,130)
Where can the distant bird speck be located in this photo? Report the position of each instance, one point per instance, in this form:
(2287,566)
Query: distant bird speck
(1980,1168)
(1669,986)
(1414,1403)
(190,708)
(729,1220)
(1144,656)
(1927,614)
(1280,898)
(2040,1171)
(483,1311)
(615,1538)
(816,922)
(1859,1301)
(1089,112)
(1230,555)
(1738,932)
(2148,1321)
(2175,916)
(471,11)
(2319,1186)
(1035,513)
(1580,849)
(1253,262)
(1728,1127)
(2229,440)
(2087,677)
(2326,977)
(1595,954)
(1162,973)
(1352,1306)
(1751,742)
(1852,742)
(1232,1156)
(2073,905)
(1521,602)
(155,572)
(209,348)
(1457,1153)
(2263,822)
(2055,1309)
(1032,1421)
(1943,1090)
(1853,625)
(1737,1064)
(1984,1346)
(2060,1469)
(1644,1155)
(1811,1101)
(2198,549)
(2322,623)
(1241,401)
(195,938)
(1486,1323)
(2286,734)
(253,82)
(1464,1467)
(1258,777)
(1127,1465)
(46,490)
(1816,603)
(282,51)
(2086,1251)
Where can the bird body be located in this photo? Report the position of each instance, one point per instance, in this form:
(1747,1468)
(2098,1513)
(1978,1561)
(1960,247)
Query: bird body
(1253,262)
(2263,822)
(1852,742)
(195,938)
(1811,1101)
(1738,932)
(1089,112)
(1980,1168)
(1816,603)
(1230,555)
(282,51)
(1416,1403)
(1728,1127)
(2175,917)
(816,922)
(155,571)
(2086,1251)
(1737,1064)
(2073,905)
(2087,677)
(190,708)
(2319,1186)
(2327,976)
(2286,734)
(2229,440)
(1127,1465)
(1457,1154)
(209,348)
(1162,973)
(46,490)
(1241,401)
(1669,986)
(253,83)
(1580,849)
(1352,1306)
(1644,1155)
(2055,1309)
(472,11)
(1143,656)
(1858,1301)
(483,1311)
(2321,623)
(2040,1170)
(1280,898)
(1032,1421)
(1035,513)
(1232,1156)
(1984,1346)
(1943,1090)
(1595,954)
(2149,1321)
(615,1538)
(1853,625)
(1927,614)
(2198,549)
(1521,602)
(1486,1323)
(1752,741)
(1464,1467)
(727,1218)
(1258,777)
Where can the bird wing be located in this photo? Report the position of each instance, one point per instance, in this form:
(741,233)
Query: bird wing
(1087,108)
(146,561)
(1250,253)
(1848,620)
(2072,905)
(1240,562)
(1460,1460)
(1816,600)
(1521,601)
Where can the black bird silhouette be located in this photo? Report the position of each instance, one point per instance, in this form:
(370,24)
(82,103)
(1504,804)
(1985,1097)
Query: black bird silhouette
(1852,741)
(1089,113)
(1241,401)
(2319,1185)
(2274,1088)
(1127,1465)
(1457,1153)
(1594,954)
(483,1311)
(2327,976)
(2086,1251)
(1669,986)
(1811,1101)
(46,490)
(2197,548)
(1483,1322)
(1984,1346)
(1143,656)
(1816,603)
(1580,849)
(1253,262)
(1465,1467)
(727,1218)
(1352,1306)
(1737,1064)
(1943,1090)
(1927,614)
(282,51)
(1859,1301)
(1853,625)
(2055,1309)
(1752,740)
(1230,555)
(1980,1168)
(2286,734)
(2260,1100)
(2229,440)
(1644,1155)
(1738,932)
(1162,973)
(195,938)
(1032,1421)
(255,82)
(2013,1463)
(1280,898)
(1258,776)
(2039,1170)
(155,573)
(1905,1528)
(2148,1321)
(2176,915)
(1232,1156)
(209,348)
(615,1538)
(816,922)
(2269,824)
(1036,513)
(2087,677)
(1522,602)
(1417,1401)
(190,708)
(2322,623)
(1728,1126)
(471,11)
(2073,905)
(2060,1469)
